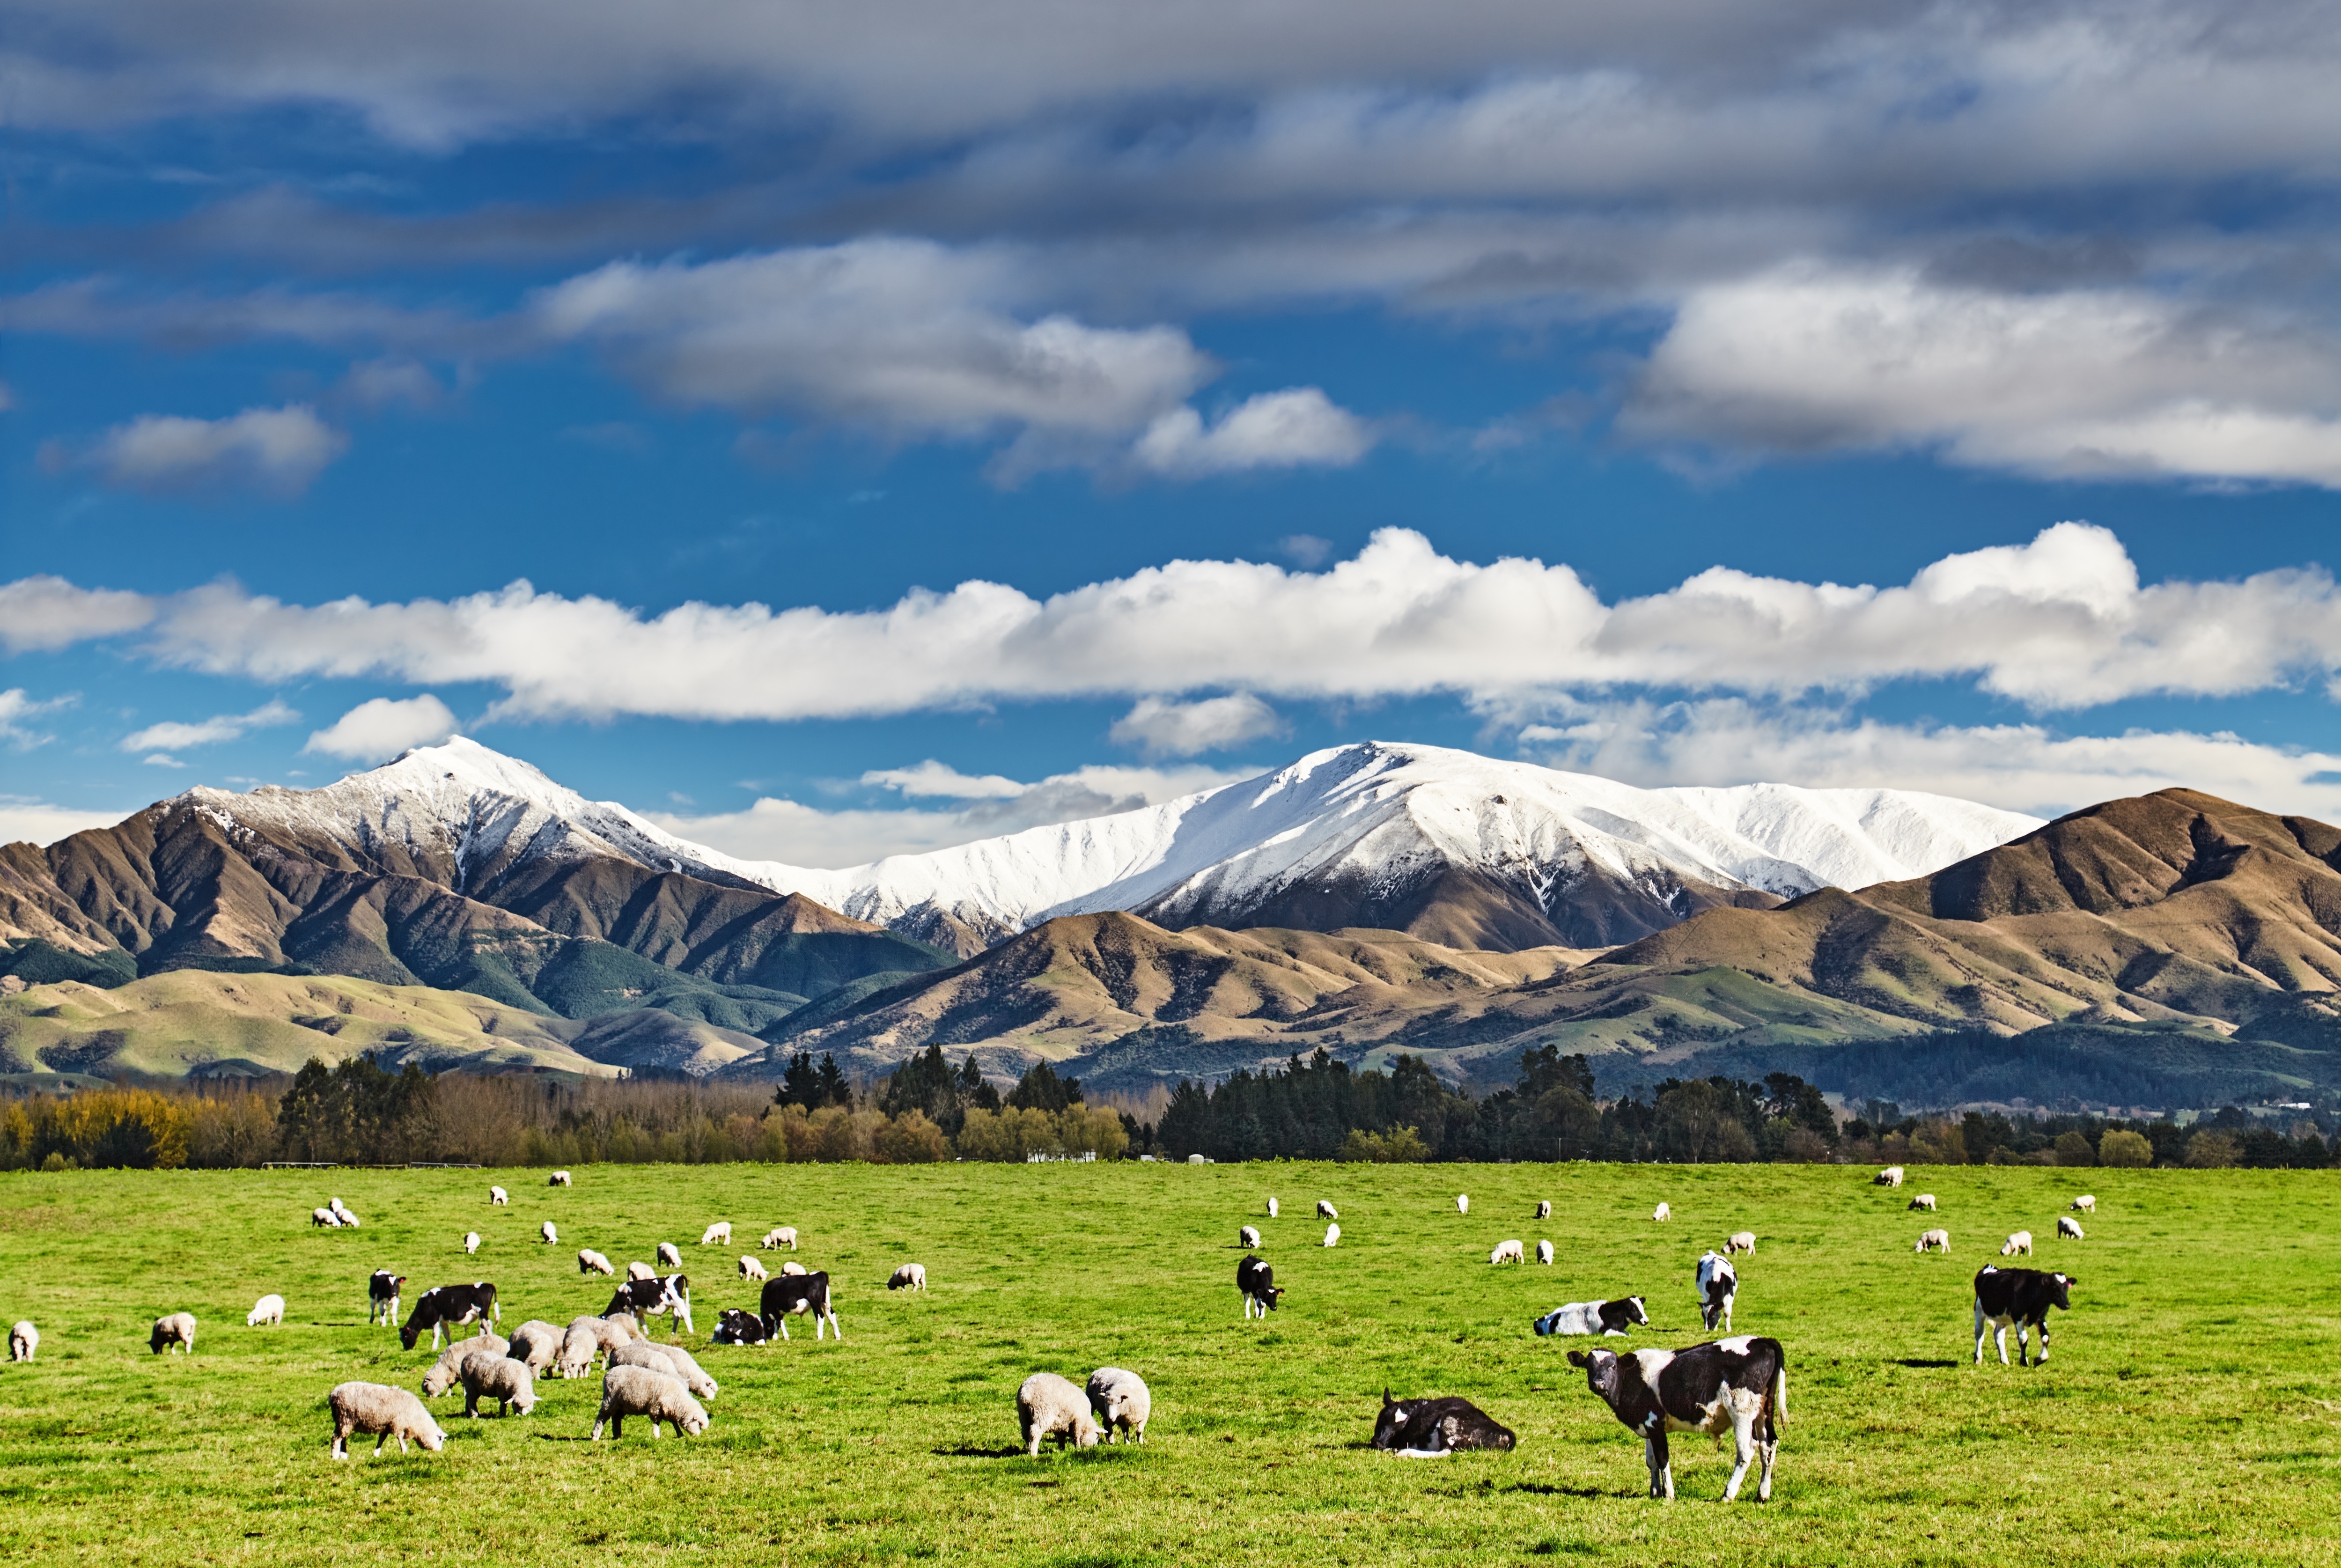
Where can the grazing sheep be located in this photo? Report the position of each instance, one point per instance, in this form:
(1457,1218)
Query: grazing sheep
(558,1179)
(1544,1208)
(1923,1201)
(498,1195)
(626,1323)
(721,1230)
(1739,1241)
(472,1241)
(338,1208)
(750,1269)
(175,1332)
(792,1267)
(1510,1252)
(448,1370)
(1247,1237)
(590,1261)
(908,1278)
(547,1235)
(669,1255)
(1933,1242)
(2087,1204)
(1544,1251)
(607,1335)
(1462,1203)
(579,1346)
(506,1380)
(639,1270)
(2019,1242)
(1662,1214)
(1325,1211)
(1891,1176)
(1332,1236)
(671,1359)
(1271,1208)
(23,1340)
(269,1309)
(536,1343)
(325,1219)
(653,1395)
(1121,1403)
(780,1236)
(2068,1227)
(1048,1405)
(378,1408)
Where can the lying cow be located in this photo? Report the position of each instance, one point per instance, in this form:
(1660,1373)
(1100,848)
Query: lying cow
(734,1326)
(792,1295)
(445,1307)
(1435,1428)
(1719,1283)
(670,1296)
(1742,1383)
(2020,1297)
(1613,1317)
(1257,1283)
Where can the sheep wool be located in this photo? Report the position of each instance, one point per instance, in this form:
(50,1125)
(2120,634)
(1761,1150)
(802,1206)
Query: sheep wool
(386,1412)
(536,1344)
(502,1379)
(653,1395)
(175,1332)
(1049,1406)
(23,1340)
(1121,1403)
(269,1309)
(448,1370)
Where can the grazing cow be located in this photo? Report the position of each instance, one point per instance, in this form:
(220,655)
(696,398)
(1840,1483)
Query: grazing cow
(1613,1317)
(1742,1383)
(1332,1236)
(653,1297)
(1891,1176)
(1462,1207)
(2087,1204)
(1923,1201)
(1435,1428)
(1544,1208)
(1933,1242)
(2069,1227)
(1739,1241)
(1257,1281)
(1662,1214)
(382,1296)
(791,1295)
(734,1326)
(2020,1297)
(2017,1241)
(1718,1284)
(445,1307)
(1511,1251)
(1544,1251)
(1325,1211)
(1248,1238)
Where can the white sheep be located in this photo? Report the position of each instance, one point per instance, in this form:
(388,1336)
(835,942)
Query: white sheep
(269,1309)
(1544,1208)
(792,1267)
(1933,1242)
(579,1346)
(338,1208)
(669,1255)
(325,1219)
(626,1323)
(23,1340)
(590,1261)
(536,1343)
(1247,1236)
(908,1278)
(558,1179)
(448,1370)
(1271,1208)
(1462,1203)
(504,1379)
(1332,1236)
(1544,1251)
(1891,1176)
(1923,1201)
(175,1331)
(1047,1406)
(471,1242)
(1739,1241)
(694,1377)
(349,1220)
(670,1359)
(721,1230)
(376,1407)
(1325,1211)
(2019,1242)
(547,1235)
(2087,1204)
(1511,1251)
(2069,1227)
(498,1195)
(639,1270)
(1121,1401)
(780,1236)
(750,1269)
(653,1395)
(1662,1214)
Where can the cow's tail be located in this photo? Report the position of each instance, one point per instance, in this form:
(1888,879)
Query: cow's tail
(1780,1394)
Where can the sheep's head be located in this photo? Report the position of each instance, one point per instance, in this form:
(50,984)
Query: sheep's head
(692,1423)
(431,1439)
(1085,1432)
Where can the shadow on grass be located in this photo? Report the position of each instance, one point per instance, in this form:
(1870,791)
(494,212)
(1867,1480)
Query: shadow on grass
(969,1451)
(1922,1362)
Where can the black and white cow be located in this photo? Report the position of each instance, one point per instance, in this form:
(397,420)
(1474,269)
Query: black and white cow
(734,1326)
(2020,1297)
(654,1298)
(789,1295)
(1434,1428)
(446,1307)
(1615,1317)
(1257,1281)
(382,1296)
(1742,1383)
(1718,1284)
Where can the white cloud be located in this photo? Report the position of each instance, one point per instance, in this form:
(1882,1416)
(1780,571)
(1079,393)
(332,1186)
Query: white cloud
(15,706)
(45,614)
(1172,729)
(37,822)
(1296,428)
(176,736)
(161,760)
(932,778)
(278,450)
(384,727)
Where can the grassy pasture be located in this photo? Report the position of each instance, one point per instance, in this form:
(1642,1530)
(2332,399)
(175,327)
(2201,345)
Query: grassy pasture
(2191,1413)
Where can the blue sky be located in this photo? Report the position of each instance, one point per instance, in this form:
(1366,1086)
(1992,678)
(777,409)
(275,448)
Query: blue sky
(1293,376)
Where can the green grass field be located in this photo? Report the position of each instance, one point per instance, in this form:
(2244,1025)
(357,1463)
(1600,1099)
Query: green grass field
(2191,1413)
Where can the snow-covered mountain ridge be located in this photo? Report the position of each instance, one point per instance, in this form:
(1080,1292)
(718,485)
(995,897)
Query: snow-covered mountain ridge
(1443,841)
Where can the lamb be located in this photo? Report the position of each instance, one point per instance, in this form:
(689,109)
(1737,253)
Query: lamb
(1121,1403)
(269,1309)
(1048,1405)
(792,1267)
(721,1230)
(448,1370)
(23,1340)
(1271,1208)
(1739,1241)
(1332,1236)
(506,1380)
(547,1235)
(590,1261)
(669,1255)
(1891,1176)
(1544,1251)
(780,1236)
(2068,1227)
(2019,1242)
(908,1278)
(1325,1211)
(558,1179)
(325,1219)
(639,1270)
(1923,1201)
(2087,1204)
(750,1269)
(1933,1242)
(174,1331)
(376,1407)
(1544,1208)
(1662,1214)
(498,1195)
(638,1391)
(536,1344)
(471,1242)
(1510,1252)
(1248,1238)
(1462,1203)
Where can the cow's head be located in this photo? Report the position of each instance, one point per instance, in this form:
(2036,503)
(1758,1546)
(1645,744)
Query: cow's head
(2060,1290)
(408,1333)
(1636,1311)
(1393,1417)
(1601,1369)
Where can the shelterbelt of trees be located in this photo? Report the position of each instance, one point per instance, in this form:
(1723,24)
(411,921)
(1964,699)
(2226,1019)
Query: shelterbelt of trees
(927,1111)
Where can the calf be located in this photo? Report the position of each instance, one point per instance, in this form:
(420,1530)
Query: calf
(1742,1383)
(445,1307)
(791,1295)
(2021,1297)
(655,1297)
(1615,1317)
(1718,1284)
(382,1296)
(1257,1281)
(1435,1428)
(734,1326)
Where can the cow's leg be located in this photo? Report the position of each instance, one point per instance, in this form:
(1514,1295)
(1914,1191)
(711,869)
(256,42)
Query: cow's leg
(2042,1328)
(2000,1338)
(1662,1475)
(1979,1326)
(836,1328)
(1744,1408)
(784,1325)
(1769,1451)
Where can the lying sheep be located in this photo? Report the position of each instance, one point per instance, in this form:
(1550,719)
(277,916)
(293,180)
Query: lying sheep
(721,1230)
(1048,1405)
(653,1395)
(669,1254)
(792,1267)
(1662,1214)
(498,1195)
(472,1241)
(908,1278)
(1248,1238)
(1121,1401)
(639,1270)
(1325,1211)
(780,1236)
(1462,1203)
(501,1378)
(547,1235)
(23,1340)
(750,1269)
(376,1407)
(2017,1241)
(1510,1252)
(269,1309)
(1739,1241)
(558,1179)
(1332,1236)
(590,1261)
(1544,1251)
(325,1219)
(448,1370)
(2087,1204)
(1923,1201)
(175,1332)
(1933,1242)
(2069,1227)
(1544,1208)
(536,1344)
